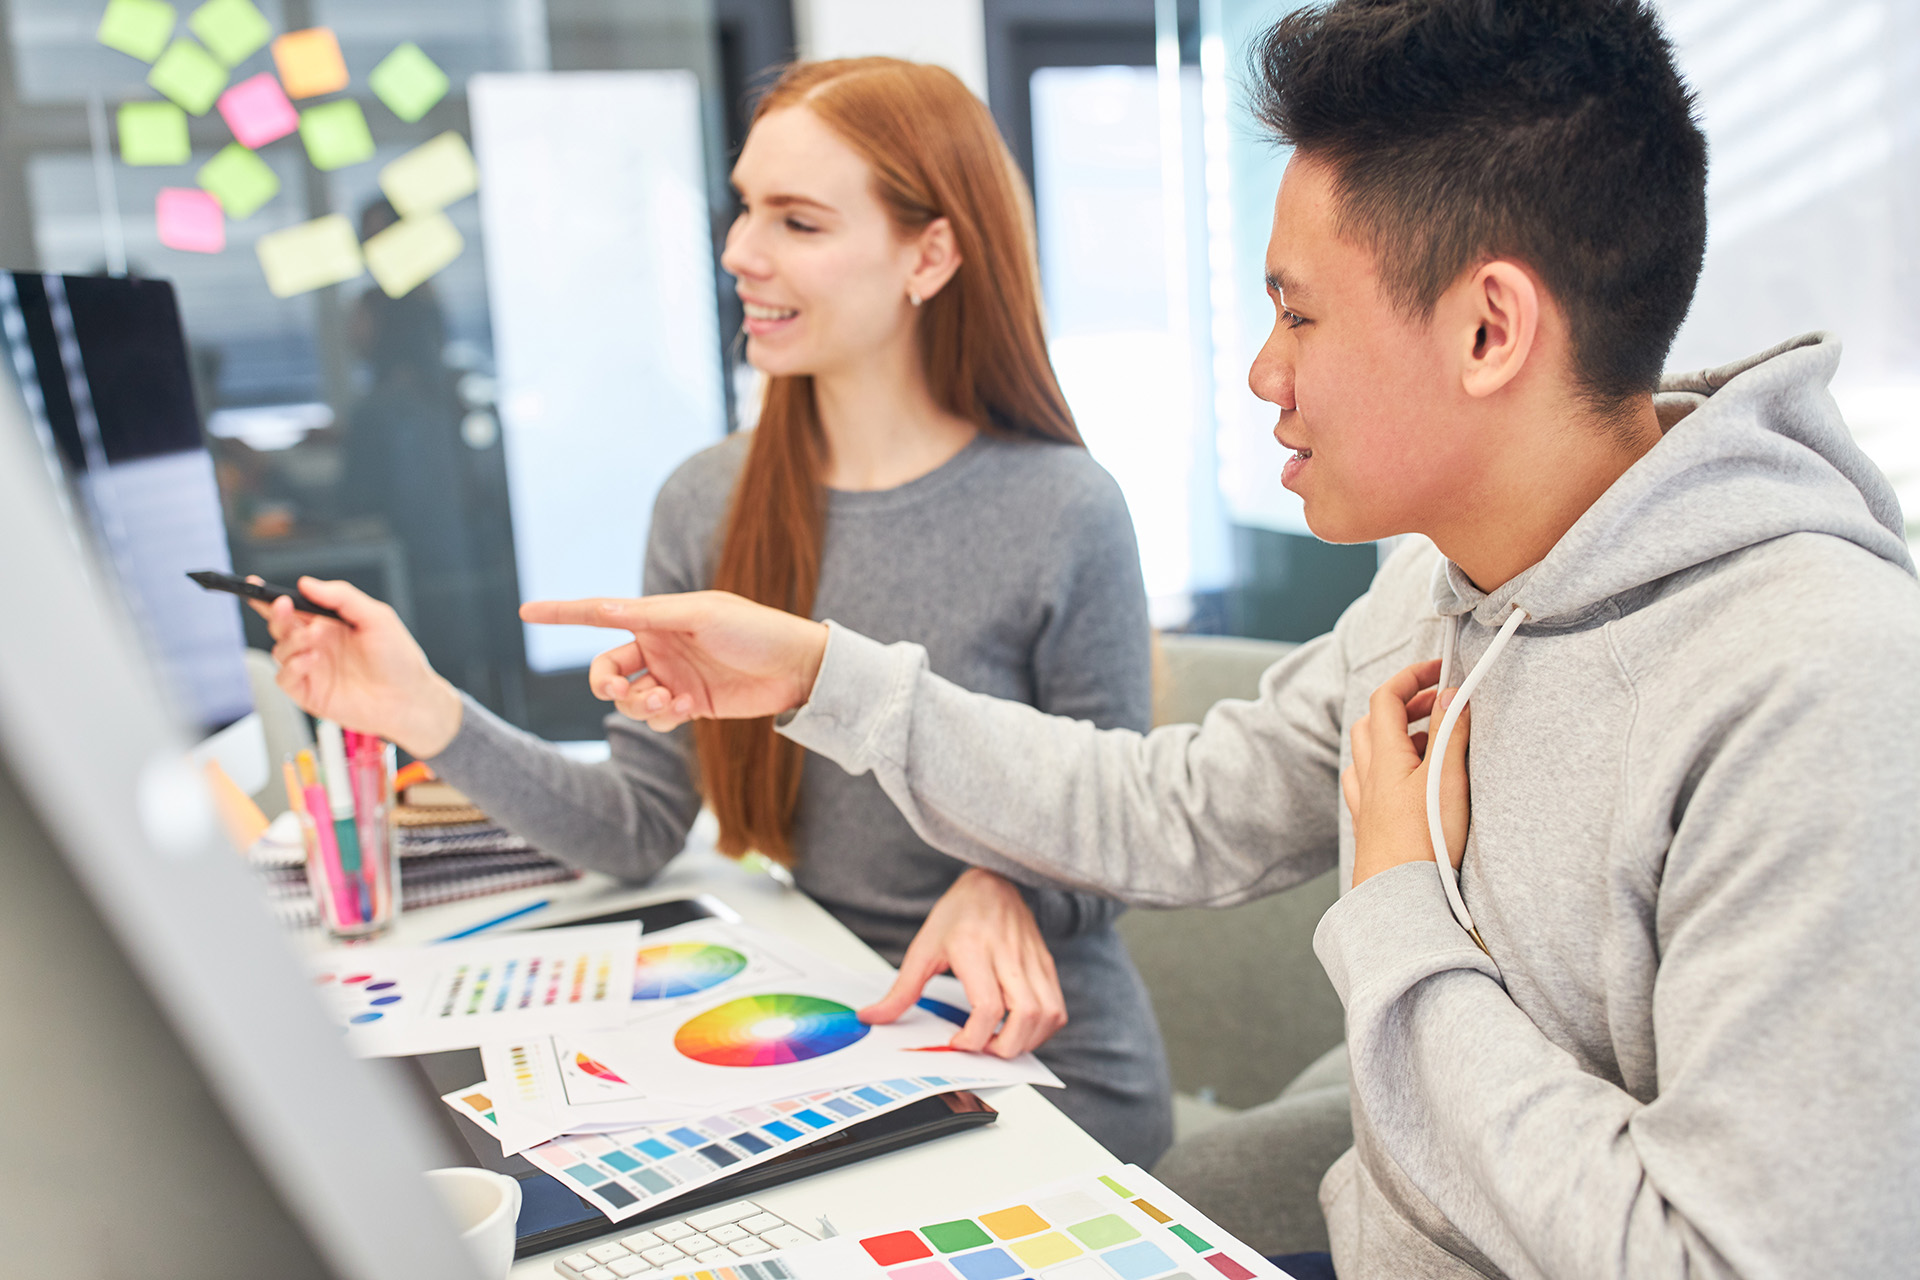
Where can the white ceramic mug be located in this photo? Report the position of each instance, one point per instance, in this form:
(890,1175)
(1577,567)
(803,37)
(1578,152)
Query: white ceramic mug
(485,1206)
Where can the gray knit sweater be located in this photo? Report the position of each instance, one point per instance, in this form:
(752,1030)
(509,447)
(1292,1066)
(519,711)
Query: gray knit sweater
(1015,565)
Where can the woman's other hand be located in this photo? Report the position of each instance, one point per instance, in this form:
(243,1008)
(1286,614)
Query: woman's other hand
(370,676)
(982,932)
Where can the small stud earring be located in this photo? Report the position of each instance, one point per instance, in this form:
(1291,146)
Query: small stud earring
(913,296)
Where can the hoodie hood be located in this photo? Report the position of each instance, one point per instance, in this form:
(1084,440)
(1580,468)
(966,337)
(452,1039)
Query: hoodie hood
(1753,450)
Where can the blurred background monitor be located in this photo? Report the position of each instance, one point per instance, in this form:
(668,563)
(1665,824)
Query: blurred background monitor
(102,363)
(178,1104)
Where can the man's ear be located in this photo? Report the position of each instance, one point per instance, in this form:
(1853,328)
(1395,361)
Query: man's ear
(1498,314)
(937,257)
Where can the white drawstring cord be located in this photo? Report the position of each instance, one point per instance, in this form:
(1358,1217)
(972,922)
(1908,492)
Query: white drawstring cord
(1437,753)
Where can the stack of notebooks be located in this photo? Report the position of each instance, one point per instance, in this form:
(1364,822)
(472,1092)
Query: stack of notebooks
(449,849)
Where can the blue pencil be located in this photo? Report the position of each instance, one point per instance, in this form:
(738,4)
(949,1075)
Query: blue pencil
(484,925)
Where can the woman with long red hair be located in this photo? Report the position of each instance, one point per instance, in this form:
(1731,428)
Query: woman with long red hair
(914,473)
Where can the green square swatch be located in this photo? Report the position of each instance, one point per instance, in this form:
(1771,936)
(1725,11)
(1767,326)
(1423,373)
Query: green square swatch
(138,27)
(153,133)
(240,180)
(952,1237)
(336,135)
(409,82)
(189,75)
(1109,1229)
(233,29)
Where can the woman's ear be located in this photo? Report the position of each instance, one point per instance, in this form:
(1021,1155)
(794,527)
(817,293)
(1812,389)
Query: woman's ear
(936,258)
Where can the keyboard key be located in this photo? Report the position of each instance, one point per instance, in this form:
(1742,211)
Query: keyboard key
(662,1254)
(708,1219)
(580,1262)
(607,1253)
(761,1222)
(727,1233)
(713,1257)
(641,1241)
(750,1246)
(693,1244)
(599,1273)
(784,1237)
(629,1266)
(673,1231)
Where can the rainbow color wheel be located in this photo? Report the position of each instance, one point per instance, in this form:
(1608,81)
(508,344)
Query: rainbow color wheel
(765,1031)
(683,969)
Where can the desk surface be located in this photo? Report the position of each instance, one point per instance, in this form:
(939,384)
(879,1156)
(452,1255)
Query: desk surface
(1031,1143)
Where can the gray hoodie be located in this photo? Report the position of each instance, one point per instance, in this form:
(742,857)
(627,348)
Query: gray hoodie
(1694,1047)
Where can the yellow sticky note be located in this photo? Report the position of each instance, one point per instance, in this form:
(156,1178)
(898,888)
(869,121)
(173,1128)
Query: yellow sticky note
(431,176)
(305,257)
(410,251)
(309,62)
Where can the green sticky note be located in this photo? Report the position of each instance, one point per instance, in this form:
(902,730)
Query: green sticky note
(153,133)
(240,180)
(233,29)
(952,1237)
(336,134)
(138,27)
(189,75)
(409,82)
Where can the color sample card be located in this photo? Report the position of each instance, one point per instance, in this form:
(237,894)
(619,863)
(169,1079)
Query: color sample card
(233,30)
(257,111)
(459,995)
(153,133)
(189,75)
(310,255)
(240,180)
(431,176)
(623,1172)
(309,62)
(1122,1224)
(411,251)
(409,82)
(336,135)
(137,27)
(190,219)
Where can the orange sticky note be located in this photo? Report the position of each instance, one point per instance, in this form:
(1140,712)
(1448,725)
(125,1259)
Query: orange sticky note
(310,63)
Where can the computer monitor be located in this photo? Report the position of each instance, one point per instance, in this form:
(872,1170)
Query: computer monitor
(103,368)
(178,1104)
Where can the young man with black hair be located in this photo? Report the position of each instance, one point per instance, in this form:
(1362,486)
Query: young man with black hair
(1666,1022)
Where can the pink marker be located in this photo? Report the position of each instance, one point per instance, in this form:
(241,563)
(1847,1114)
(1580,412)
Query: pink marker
(345,901)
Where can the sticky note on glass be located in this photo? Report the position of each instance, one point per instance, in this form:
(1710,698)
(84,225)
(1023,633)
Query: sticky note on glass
(138,27)
(258,111)
(310,63)
(305,257)
(410,251)
(431,176)
(240,180)
(409,82)
(153,133)
(233,29)
(336,135)
(189,75)
(190,219)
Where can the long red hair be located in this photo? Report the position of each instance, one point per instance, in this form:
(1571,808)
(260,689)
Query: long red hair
(935,153)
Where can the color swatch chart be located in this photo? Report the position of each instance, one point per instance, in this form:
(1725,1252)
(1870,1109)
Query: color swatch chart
(1119,1226)
(455,995)
(622,1172)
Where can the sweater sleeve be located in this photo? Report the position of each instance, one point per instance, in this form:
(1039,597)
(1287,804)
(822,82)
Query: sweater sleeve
(630,814)
(1782,909)
(1093,659)
(1243,805)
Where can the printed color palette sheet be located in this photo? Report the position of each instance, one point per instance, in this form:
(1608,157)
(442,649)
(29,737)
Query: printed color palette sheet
(1119,1226)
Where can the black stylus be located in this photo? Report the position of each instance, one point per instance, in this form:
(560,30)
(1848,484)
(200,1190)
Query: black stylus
(264,592)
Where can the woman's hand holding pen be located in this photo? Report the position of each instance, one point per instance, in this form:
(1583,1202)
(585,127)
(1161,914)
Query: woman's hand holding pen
(370,676)
(703,655)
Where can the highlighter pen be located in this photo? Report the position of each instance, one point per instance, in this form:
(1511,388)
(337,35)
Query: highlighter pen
(345,907)
(333,764)
(367,774)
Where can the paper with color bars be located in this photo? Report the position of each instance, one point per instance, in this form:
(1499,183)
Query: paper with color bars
(396,1001)
(1122,1224)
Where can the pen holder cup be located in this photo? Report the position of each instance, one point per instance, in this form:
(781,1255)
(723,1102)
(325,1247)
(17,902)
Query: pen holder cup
(350,860)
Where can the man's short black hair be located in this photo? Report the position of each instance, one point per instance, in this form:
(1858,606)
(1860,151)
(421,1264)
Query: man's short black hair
(1557,133)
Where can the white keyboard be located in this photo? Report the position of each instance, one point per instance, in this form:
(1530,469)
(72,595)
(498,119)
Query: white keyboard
(729,1235)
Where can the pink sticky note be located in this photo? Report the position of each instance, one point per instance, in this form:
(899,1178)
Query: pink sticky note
(190,219)
(257,111)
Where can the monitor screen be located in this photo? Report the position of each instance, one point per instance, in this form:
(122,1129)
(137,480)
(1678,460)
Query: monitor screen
(102,365)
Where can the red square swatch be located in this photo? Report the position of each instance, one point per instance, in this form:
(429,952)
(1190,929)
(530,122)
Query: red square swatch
(900,1246)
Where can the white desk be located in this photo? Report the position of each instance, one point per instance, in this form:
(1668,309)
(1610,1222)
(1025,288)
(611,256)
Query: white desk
(1031,1143)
